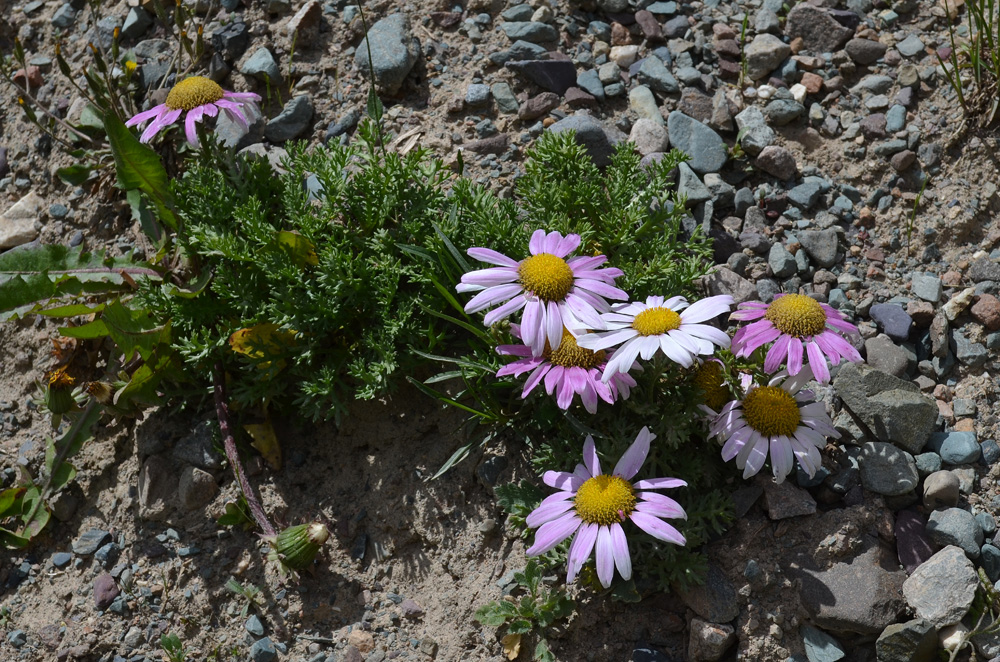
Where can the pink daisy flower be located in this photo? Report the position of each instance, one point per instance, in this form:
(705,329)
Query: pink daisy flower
(198,97)
(593,505)
(671,326)
(780,418)
(799,326)
(555,292)
(567,370)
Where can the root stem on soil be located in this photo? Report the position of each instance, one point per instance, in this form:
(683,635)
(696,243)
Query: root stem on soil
(229,442)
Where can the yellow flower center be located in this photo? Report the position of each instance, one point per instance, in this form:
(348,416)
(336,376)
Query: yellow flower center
(60,381)
(708,378)
(193,92)
(656,321)
(605,500)
(569,355)
(797,315)
(771,411)
(546,276)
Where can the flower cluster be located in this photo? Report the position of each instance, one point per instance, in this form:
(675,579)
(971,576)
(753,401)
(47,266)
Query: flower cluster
(576,342)
(570,330)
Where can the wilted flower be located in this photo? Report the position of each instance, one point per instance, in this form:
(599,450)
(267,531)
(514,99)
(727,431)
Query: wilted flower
(593,505)
(555,292)
(778,418)
(567,370)
(198,97)
(797,325)
(671,326)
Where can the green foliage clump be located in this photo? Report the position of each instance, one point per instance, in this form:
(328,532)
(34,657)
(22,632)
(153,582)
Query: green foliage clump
(537,610)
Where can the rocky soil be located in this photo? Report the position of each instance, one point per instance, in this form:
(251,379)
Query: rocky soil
(828,157)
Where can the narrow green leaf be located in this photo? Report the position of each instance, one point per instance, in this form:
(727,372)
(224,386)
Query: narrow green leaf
(89,331)
(444,376)
(7,499)
(71,310)
(139,167)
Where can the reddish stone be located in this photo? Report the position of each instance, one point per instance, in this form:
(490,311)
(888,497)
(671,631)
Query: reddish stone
(34,76)
(986,311)
(446,19)
(538,105)
(620,35)
(729,69)
(651,28)
(721,31)
(951,278)
(577,98)
(812,82)
(921,312)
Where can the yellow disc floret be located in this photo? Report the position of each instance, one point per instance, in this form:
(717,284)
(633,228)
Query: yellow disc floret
(546,276)
(656,321)
(771,411)
(605,500)
(568,354)
(708,378)
(60,380)
(797,315)
(193,92)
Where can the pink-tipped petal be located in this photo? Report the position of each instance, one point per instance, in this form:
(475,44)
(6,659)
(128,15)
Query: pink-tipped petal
(491,256)
(536,244)
(631,461)
(562,480)
(794,356)
(590,459)
(146,115)
(818,363)
(547,512)
(552,533)
(580,549)
(657,528)
(619,546)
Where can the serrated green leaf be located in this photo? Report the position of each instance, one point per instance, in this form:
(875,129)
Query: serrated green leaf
(543,653)
(520,626)
(134,331)
(491,615)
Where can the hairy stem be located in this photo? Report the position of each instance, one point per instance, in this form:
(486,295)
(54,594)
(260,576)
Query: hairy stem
(222,412)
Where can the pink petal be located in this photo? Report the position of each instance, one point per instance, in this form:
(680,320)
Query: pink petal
(818,363)
(590,459)
(492,296)
(657,528)
(605,557)
(619,546)
(794,356)
(507,309)
(552,533)
(547,512)
(631,461)
(658,505)
(580,549)
(659,484)
(777,354)
(146,115)
(491,256)
(535,378)
(562,480)
(536,244)
(566,245)
(707,309)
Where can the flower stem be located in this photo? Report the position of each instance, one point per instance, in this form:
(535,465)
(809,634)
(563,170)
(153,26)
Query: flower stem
(229,442)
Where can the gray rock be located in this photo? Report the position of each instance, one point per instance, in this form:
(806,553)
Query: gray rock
(780,112)
(262,65)
(764,54)
(61,559)
(689,186)
(820,647)
(197,449)
(941,490)
(707,150)
(394,51)
(345,123)
(477,95)
(294,119)
(865,51)
(777,161)
(654,74)
(893,319)
(231,41)
(65,17)
(196,488)
(254,626)
(590,82)
(942,589)
(519,13)
(17,638)
(755,133)
(708,642)
(263,650)
(726,281)
(531,31)
(723,193)
(766,20)
(954,526)
(972,354)
(820,245)
(784,500)
(805,195)
(885,355)
(715,600)
(590,134)
(887,470)
(157,488)
(782,262)
(910,46)
(895,118)
(983,269)
(874,83)
(552,75)
(525,50)
(504,97)
(913,546)
(859,596)
(926,286)
(649,136)
(820,32)
(913,641)
(892,409)
(955,447)
(90,542)
(136,23)
(989,557)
